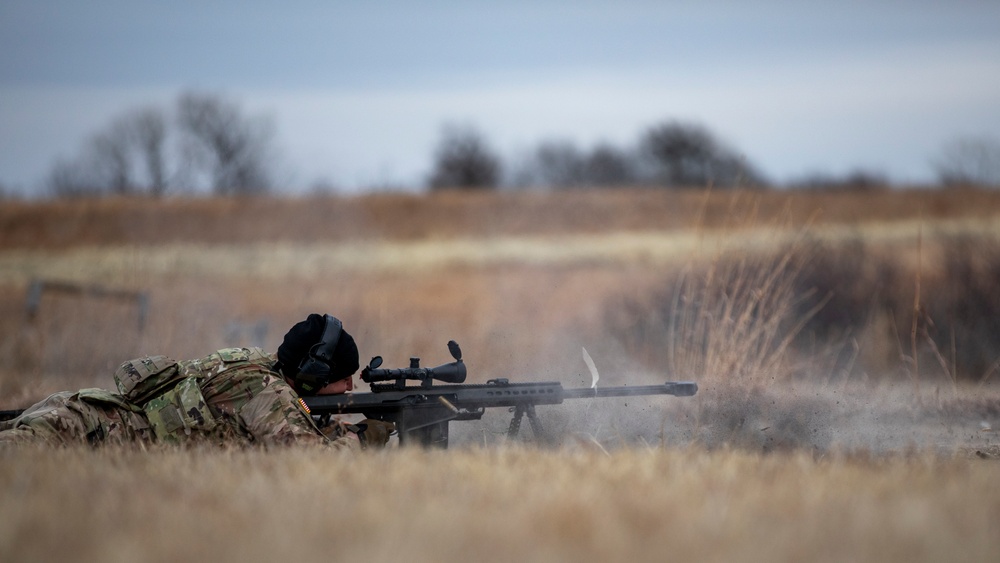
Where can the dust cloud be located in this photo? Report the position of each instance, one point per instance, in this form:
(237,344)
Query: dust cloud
(805,416)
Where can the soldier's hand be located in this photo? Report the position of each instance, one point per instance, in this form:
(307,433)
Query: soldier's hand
(336,430)
(374,433)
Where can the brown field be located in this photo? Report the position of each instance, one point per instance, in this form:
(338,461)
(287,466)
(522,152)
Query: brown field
(499,504)
(842,343)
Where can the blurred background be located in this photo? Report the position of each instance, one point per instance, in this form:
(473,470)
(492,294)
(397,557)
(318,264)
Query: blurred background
(791,203)
(309,96)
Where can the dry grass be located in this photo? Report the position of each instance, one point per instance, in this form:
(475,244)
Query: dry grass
(494,505)
(449,215)
(522,281)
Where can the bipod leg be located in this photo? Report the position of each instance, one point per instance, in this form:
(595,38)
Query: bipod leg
(536,426)
(515,423)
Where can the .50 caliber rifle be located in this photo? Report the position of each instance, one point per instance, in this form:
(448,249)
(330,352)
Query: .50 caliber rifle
(422,412)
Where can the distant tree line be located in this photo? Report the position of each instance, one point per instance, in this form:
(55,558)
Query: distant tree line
(672,154)
(969,161)
(205,140)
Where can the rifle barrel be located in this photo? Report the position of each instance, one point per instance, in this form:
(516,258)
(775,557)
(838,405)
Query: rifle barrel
(679,388)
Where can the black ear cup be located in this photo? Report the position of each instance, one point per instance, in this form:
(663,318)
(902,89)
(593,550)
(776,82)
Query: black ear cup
(315,370)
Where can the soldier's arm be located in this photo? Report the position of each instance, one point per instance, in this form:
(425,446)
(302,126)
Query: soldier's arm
(275,416)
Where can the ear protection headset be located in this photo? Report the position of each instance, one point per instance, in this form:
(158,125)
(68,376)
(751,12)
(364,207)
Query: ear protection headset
(315,370)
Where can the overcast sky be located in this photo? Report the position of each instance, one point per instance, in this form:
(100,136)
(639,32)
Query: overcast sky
(359,91)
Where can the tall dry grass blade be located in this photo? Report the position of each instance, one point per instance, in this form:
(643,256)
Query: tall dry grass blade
(915,357)
(948,373)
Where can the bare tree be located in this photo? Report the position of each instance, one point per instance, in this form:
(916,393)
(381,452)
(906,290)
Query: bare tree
(110,155)
(103,166)
(561,165)
(970,161)
(147,129)
(232,152)
(609,166)
(108,161)
(551,164)
(464,160)
(683,154)
(555,164)
(72,178)
(235,149)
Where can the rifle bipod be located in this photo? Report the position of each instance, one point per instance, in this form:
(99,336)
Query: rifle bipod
(536,425)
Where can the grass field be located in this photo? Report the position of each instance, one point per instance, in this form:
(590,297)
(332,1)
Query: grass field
(497,504)
(842,343)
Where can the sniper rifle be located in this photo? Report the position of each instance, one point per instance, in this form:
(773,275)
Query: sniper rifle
(421,413)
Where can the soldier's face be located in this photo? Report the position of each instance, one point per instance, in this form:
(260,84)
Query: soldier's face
(338,387)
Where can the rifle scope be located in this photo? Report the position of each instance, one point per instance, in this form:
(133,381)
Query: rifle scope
(453,372)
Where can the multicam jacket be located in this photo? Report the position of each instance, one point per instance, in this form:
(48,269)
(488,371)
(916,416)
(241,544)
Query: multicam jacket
(233,395)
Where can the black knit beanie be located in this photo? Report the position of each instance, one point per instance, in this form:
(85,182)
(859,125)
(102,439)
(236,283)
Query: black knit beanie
(304,335)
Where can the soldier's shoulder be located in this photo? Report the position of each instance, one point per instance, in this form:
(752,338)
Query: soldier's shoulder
(226,359)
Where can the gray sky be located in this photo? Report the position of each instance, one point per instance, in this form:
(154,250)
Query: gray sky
(359,91)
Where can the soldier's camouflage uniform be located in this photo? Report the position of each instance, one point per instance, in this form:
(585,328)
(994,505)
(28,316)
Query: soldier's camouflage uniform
(231,396)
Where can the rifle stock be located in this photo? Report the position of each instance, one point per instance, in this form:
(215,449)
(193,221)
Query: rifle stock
(10,415)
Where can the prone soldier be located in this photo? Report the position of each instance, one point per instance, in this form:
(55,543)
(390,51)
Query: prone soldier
(234,395)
